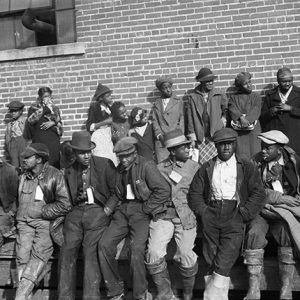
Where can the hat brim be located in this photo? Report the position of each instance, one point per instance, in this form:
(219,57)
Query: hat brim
(95,97)
(178,144)
(125,152)
(93,146)
(226,140)
(206,78)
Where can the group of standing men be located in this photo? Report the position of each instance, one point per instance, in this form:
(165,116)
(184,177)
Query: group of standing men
(151,204)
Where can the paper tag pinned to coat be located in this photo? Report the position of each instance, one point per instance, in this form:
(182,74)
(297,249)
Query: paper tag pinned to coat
(90,195)
(277,186)
(39,195)
(129,192)
(194,154)
(176,177)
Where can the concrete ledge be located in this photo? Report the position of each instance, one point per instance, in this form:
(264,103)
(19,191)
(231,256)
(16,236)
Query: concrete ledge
(44,51)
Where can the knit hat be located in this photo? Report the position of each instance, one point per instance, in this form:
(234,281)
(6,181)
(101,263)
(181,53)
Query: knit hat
(161,80)
(241,78)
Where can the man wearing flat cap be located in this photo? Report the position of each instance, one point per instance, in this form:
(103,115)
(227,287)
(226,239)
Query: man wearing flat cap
(206,113)
(281,108)
(43,197)
(15,143)
(279,168)
(91,184)
(143,193)
(225,193)
(178,221)
(167,115)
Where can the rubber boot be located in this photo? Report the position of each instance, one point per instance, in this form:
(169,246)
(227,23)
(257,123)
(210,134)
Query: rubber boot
(217,288)
(161,279)
(254,261)
(286,272)
(188,280)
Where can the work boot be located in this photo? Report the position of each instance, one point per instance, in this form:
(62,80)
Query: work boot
(286,272)
(188,280)
(161,279)
(217,288)
(254,260)
(24,289)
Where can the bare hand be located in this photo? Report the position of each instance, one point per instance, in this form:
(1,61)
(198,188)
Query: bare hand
(244,122)
(284,107)
(224,121)
(107,211)
(47,125)
(290,201)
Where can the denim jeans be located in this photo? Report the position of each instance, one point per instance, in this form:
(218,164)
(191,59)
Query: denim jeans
(128,220)
(222,235)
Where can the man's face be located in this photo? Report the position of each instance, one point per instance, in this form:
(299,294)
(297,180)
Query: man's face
(285,82)
(128,159)
(226,149)
(207,86)
(181,153)
(29,163)
(15,114)
(270,152)
(166,90)
(83,157)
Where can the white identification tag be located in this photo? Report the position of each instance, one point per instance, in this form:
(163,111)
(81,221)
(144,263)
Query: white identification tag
(176,177)
(39,195)
(194,154)
(90,195)
(129,192)
(277,186)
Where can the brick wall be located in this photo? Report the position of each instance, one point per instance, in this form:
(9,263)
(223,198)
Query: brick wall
(129,43)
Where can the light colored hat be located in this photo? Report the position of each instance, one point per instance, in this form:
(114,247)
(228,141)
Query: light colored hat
(273,137)
(175,138)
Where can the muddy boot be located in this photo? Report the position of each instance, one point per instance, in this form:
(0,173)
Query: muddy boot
(254,261)
(286,272)
(217,288)
(161,279)
(188,280)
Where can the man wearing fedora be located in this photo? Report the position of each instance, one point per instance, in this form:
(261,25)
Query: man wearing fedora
(279,168)
(225,193)
(43,197)
(206,113)
(143,193)
(178,221)
(91,184)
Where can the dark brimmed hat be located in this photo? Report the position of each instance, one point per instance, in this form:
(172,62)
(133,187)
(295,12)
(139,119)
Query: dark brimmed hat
(101,90)
(175,138)
(205,74)
(225,134)
(273,137)
(81,140)
(161,80)
(15,105)
(125,146)
(36,149)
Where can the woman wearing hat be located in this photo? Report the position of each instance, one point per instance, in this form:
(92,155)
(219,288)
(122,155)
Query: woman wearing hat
(206,112)
(244,109)
(167,115)
(44,124)
(99,122)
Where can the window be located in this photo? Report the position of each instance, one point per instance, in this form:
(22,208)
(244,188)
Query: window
(31,23)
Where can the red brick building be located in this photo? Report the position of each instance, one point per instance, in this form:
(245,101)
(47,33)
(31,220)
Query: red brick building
(127,44)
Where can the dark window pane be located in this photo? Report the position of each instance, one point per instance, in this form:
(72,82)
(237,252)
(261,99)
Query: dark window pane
(24,37)
(65,26)
(7,36)
(63,4)
(41,3)
(24,4)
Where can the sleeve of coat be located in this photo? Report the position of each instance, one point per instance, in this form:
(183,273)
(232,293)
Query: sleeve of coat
(160,190)
(233,109)
(224,105)
(196,198)
(111,175)
(181,120)
(255,111)
(61,205)
(256,193)
(91,117)
(265,115)
(190,121)
(155,122)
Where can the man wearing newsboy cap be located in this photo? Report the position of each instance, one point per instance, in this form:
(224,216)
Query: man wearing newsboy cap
(91,184)
(43,197)
(143,193)
(225,193)
(279,168)
(178,221)
(206,113)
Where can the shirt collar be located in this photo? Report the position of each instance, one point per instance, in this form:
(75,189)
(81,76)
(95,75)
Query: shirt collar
(169,163)
(229,162)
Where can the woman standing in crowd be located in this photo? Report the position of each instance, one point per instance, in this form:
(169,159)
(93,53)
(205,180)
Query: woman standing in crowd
(44,124)
(167,115)
(142,130)
(99,122)
(244,109)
